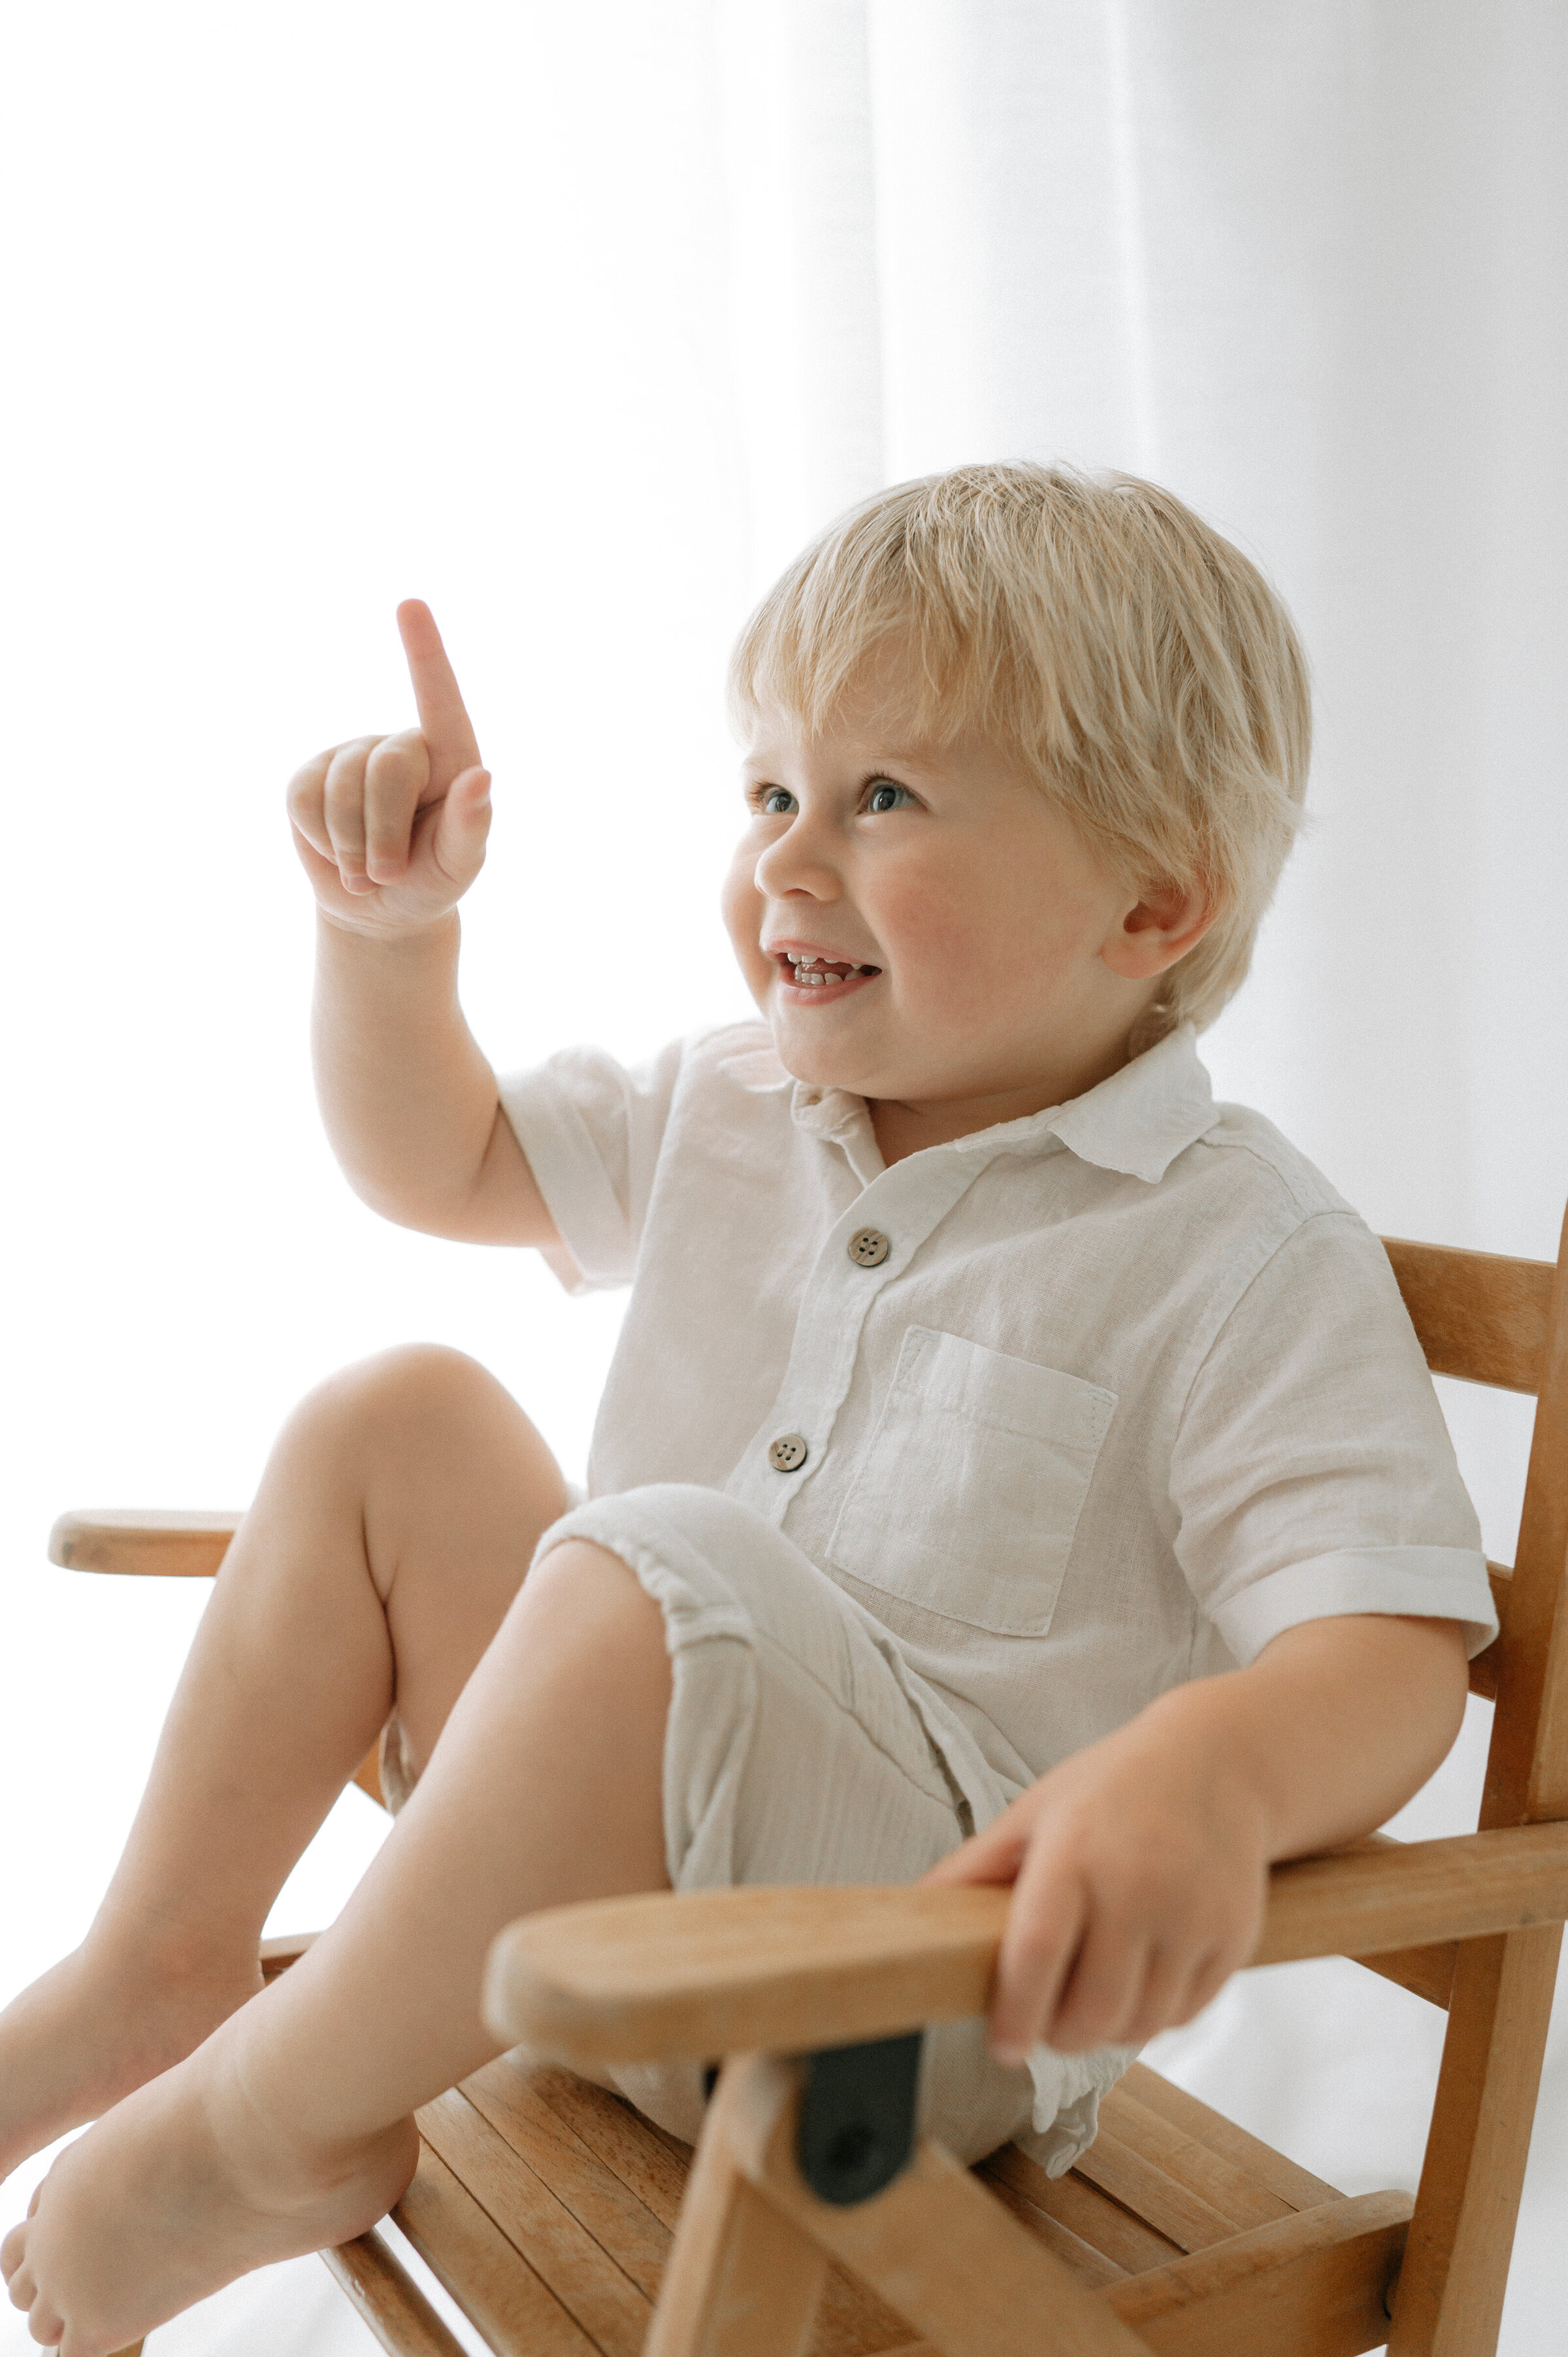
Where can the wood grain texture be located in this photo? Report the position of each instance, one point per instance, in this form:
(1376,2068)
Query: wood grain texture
(666,1974)
(386,2299)
(482,2269)
(1485,1666)
(624,2179)
(1450,2297)
(1450,2294)
(1079,2208)
(1310,2285)
(1295,2186)
(720,1972)
(743,2280)
(1479,1315)
(1089,2265)
(1232,2194)
(1425,1971)
(150,1540)
(1411,1893)
(1151,2193)
(583,2274)
(934,2243)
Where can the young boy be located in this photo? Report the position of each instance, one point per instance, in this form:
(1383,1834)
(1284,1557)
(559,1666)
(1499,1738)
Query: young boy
(1014,1468)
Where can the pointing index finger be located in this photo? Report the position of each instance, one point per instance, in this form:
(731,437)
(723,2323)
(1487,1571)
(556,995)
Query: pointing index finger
(443,715)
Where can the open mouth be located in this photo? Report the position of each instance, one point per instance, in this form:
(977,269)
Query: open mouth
(819,977)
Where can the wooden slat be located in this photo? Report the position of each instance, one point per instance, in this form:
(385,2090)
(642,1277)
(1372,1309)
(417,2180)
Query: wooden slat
(1089,2265)
(649,2168)
(488,2277)
(503,2093)
(616,2134)
(1311,2284)
(1232,2192)
(149,1541)
(584,2276)
(1082,2211)
(1479,1315)
(1294,2185)
(1140,2185)
(386,2299)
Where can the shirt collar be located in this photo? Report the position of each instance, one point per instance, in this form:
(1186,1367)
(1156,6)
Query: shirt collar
(1138,1121)
(1142,1116)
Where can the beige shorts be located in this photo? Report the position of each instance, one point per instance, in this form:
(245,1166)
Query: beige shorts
(801,1747)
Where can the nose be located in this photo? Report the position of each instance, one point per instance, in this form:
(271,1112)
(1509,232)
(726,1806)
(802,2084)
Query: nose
(801,861)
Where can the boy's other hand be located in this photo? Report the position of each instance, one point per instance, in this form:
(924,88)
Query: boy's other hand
(1140,1864)
(390,829)
(1139,1872)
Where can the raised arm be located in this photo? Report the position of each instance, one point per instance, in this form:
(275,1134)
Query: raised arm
(390,831)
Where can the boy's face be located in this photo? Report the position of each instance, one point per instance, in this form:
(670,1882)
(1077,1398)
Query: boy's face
(981,961)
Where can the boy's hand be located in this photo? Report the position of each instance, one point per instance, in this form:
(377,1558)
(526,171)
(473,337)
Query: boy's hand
(391,830)
(1140,1865)
(1139,1872)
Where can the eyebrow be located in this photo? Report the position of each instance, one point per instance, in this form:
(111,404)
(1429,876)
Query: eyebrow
(892,761)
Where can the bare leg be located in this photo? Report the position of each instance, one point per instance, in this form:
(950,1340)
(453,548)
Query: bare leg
(391,1529)
(289,2128)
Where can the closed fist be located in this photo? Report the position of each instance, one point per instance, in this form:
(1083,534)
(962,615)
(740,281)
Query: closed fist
(390,829)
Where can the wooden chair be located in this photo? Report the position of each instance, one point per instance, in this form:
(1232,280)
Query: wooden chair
(811,2219)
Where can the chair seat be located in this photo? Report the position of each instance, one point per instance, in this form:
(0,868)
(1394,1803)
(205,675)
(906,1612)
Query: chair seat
(546,2206)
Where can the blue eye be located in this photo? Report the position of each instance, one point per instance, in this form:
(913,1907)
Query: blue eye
(777,802)
(887,796)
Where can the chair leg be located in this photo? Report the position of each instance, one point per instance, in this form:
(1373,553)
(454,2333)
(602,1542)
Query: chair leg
(1449,2298)
(936,2245)
(741,2281)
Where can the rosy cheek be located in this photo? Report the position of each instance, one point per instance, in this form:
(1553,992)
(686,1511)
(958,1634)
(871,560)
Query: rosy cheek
(943,946)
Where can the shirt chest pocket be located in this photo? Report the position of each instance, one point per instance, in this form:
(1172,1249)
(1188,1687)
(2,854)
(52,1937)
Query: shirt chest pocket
(967,1497)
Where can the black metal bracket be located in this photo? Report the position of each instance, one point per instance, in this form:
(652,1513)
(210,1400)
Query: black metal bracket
(857,2117)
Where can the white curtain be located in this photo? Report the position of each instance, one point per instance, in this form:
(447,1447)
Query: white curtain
(577,322)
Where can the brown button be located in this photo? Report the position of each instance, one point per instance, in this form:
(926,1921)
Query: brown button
(868,1247)
(787,1453)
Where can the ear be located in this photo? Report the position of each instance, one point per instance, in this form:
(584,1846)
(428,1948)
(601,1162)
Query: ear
(1153,932)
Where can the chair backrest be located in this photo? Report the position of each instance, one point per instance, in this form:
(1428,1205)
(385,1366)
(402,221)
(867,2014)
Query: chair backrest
(1489,1319)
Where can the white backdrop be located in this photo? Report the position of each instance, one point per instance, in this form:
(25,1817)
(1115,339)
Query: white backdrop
(575,322)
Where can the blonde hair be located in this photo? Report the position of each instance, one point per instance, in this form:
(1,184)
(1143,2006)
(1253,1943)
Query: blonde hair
(1140,666)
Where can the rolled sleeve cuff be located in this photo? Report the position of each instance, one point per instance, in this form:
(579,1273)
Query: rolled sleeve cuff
(1425,1582)
(594,1254)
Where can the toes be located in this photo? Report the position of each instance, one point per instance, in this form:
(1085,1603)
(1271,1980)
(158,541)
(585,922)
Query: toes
(11,2250)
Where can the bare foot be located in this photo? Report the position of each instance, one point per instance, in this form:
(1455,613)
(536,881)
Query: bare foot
(178,2190)
(100,2023)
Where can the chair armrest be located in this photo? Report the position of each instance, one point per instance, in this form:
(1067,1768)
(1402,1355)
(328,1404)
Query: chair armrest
(1410,1894)
(658,1976)
(143,1540)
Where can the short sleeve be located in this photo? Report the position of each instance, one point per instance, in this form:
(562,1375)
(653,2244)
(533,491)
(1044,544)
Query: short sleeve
(1313,1472)
(591,1131)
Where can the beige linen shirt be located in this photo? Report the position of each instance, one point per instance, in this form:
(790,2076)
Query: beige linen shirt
(1078,1407)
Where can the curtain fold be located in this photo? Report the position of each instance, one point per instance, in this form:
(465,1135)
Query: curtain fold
(1306,267)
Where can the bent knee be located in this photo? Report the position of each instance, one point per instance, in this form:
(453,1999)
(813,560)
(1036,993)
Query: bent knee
(419,1383)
